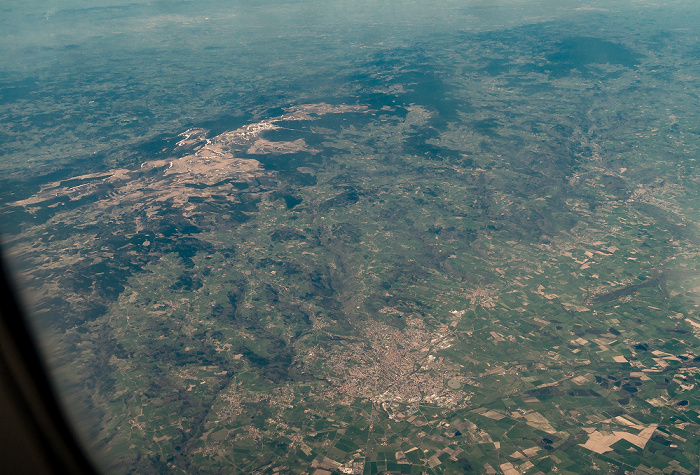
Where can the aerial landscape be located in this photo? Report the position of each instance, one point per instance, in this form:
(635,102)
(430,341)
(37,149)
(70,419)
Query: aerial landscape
(361,238)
